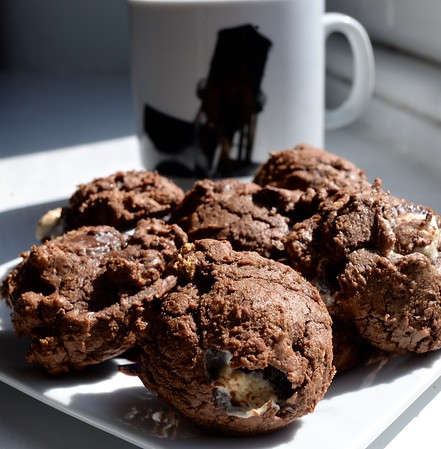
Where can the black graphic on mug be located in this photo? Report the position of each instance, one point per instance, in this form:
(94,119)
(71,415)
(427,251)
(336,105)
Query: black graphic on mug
(219,141)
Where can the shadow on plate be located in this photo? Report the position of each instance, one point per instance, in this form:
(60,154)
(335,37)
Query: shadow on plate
(137,413)
(104,397)
(383,372)
(129,411)
(15,366)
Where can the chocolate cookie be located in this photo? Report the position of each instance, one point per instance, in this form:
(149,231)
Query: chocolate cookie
(119,200)
(375,259)
(249,216)
(242,345)
(307,167)
(73,295)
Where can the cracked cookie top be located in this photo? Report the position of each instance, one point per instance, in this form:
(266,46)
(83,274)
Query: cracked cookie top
(119,200)
(250,217)
(241,345)
(308,167)
(375,260)
(73,296)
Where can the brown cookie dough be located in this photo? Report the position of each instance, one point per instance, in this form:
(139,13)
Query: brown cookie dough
(307,167)
(118,200)
(248,216)
(375,260)
(319,247)
(395,302)
(73,295)
(242,345)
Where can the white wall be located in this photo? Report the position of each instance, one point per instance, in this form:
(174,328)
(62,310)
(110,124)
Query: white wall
(55,36)
(92,35)
(410,25)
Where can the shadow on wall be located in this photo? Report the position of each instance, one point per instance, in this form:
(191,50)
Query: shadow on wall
(47,112)
(64,74)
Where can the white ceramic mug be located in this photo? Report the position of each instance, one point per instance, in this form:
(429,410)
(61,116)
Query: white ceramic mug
(218,84)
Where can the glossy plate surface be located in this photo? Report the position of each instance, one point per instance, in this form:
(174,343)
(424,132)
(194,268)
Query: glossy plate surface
(359,405)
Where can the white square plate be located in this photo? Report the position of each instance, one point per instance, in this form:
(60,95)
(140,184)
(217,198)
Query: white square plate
(358,407)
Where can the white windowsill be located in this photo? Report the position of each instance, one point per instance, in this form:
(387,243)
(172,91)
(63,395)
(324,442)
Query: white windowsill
(86,122)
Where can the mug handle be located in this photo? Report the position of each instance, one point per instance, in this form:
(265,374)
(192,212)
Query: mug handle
(364,69)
